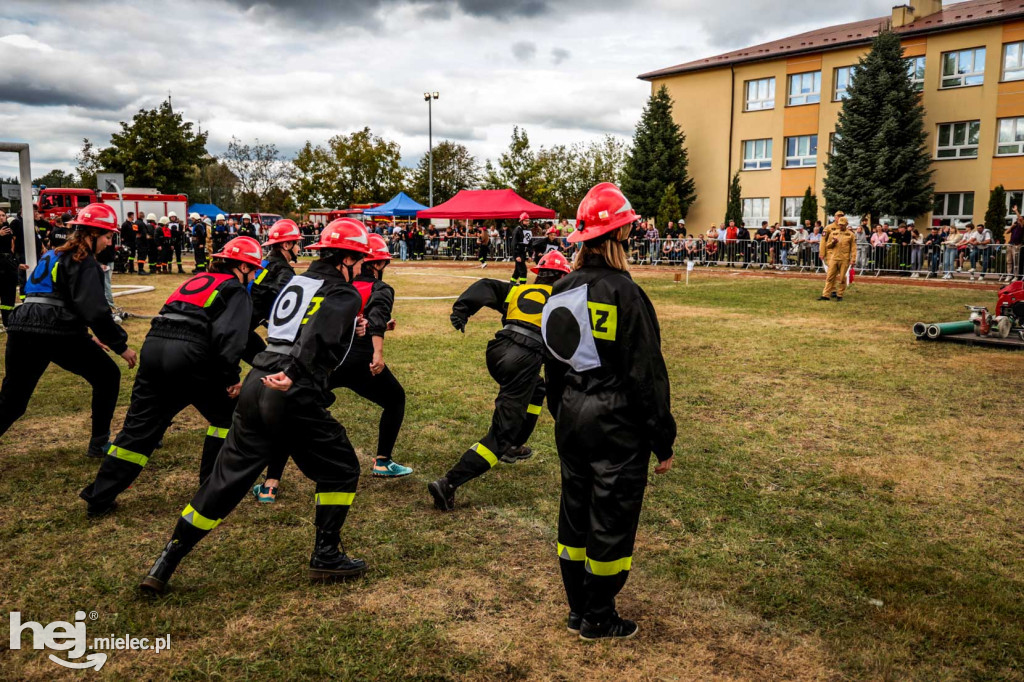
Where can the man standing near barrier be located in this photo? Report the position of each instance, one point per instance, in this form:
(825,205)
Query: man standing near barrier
(837,252)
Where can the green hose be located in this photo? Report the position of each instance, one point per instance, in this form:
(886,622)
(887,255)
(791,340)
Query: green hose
(937,330)
(920,329)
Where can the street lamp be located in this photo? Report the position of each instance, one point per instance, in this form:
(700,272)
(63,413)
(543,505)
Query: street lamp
(429,97)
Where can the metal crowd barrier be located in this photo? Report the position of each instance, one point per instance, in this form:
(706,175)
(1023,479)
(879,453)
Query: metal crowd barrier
(993,262)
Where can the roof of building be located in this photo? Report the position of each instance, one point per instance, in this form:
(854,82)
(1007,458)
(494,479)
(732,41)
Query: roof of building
(959,15)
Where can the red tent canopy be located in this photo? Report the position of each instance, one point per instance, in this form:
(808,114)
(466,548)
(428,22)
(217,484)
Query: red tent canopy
(481,204)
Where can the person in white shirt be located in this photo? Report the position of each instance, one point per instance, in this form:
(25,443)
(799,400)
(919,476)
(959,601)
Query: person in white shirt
(949,250)
(981,240)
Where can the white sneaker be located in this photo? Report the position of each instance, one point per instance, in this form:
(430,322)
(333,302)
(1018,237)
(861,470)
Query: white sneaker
(915,276)
(483,265)
(947,276)
(981,277)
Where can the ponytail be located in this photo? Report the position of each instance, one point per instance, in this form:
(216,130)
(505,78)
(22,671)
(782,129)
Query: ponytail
(608,248)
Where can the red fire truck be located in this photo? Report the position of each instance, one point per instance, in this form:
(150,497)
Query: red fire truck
(56,201)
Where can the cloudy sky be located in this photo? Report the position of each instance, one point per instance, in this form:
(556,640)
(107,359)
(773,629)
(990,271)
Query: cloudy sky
(287,71)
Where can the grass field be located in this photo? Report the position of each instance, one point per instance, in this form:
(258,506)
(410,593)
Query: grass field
(845,504)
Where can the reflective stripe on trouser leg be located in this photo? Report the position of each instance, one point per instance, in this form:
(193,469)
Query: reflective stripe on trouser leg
(342,499)
(196,519)
(217,432)
(609,568)
(534,409)
(571,553)
(214,441)
(128,455)
(485,453)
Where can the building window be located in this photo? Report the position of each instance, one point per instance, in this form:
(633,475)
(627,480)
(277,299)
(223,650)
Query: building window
(791,207)
(1011,137)
(761,94)
(915,69)
(802,151)
(844,75)
(757,154)
(804,88)
(958,140)
(1013,62)
(1014,199)
(963,68)
(953,208)
(756,211)
(832,138)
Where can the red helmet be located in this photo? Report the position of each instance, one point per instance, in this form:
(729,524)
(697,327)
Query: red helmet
(283,231)
(99,216)
(553,230)
(379,250)
(344,233)
(605,208)
(524,216)
(552,260)
(242,249)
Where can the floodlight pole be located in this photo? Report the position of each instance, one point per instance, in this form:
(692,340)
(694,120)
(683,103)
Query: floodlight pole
(430,97)
(28,218)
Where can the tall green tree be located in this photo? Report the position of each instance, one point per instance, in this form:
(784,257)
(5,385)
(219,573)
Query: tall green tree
(569,171)
(516,168)
(87,164)
(881,164)
(809,208)
(57,178)
(995,216)
(734,206)
(259,170)
(668,210)
(658,159)
(455,169)
(351,169)
(158,148)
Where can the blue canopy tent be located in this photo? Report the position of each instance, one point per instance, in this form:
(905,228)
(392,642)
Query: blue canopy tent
(206,210)
(401,206)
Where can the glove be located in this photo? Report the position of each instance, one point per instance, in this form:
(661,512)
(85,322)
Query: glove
(459,323)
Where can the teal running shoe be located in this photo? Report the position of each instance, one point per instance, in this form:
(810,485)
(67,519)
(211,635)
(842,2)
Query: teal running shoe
(390,469)
(264,495)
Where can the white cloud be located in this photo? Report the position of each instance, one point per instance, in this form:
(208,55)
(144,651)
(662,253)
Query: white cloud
(288,72)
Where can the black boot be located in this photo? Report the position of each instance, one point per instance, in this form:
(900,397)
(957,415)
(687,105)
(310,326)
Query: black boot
(180,270)
(443,494)
(329,563)
(142,269)
(516,454)
(613,627)
(574,623)
(98,446)
(184,539)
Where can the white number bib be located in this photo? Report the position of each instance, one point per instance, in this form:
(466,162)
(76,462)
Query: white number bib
(290,308)
(567,332)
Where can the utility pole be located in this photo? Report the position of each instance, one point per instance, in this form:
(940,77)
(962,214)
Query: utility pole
(430,97)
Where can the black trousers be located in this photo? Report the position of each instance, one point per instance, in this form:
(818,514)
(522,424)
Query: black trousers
(177,250)
(173,374)
(130,247)
(516,368)
(268,422)
(200,254)
(142,254)
(28,356)
(604,475)
(383,390)
(519,273)
(484,250)
(8,286)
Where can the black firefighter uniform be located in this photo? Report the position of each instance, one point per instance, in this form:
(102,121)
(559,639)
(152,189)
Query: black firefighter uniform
(515,357)
(608,390)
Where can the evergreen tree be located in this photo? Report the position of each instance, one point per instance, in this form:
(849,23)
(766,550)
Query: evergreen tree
(809,209)
(995,216)
(668,210)
(881,164)
(157,149)
(658,159)
(734,208)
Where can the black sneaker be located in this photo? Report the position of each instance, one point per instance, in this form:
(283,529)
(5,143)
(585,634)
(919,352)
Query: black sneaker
(337,568)
(839,298)
(613,628)
(574,623)
(824,298)
(443,494)
(516,454)
(98,450)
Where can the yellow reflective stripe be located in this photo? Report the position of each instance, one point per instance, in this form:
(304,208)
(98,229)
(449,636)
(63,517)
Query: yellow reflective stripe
(533,409)
(6,307)
(485,452)
(53,272)
(609,567)
(198,520)
(343,499)
(128,455)
(217,432)
(259,277)
(210,300)
(572,553)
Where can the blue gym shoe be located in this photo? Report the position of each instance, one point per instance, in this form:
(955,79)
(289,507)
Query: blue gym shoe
(264,495)
(390,469)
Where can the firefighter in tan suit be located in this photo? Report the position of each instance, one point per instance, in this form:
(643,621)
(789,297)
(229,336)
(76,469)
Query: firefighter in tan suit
(838,250)
(823,250)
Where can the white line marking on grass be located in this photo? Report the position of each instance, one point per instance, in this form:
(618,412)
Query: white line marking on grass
(425,298)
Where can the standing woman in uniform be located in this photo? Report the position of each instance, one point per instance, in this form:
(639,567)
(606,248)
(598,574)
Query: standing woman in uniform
(189,357)
(608,390)
(8,269)
(514,359)
(64,297)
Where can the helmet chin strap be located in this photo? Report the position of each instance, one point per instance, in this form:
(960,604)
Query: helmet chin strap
(351,270)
